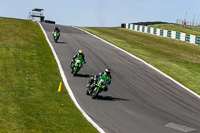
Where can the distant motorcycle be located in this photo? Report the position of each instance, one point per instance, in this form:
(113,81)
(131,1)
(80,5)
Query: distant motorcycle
(96,87)
(75,68)
(56,36)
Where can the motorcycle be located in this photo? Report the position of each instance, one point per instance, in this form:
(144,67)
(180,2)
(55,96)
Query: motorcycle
(56,36)
(95,88)
(75,68)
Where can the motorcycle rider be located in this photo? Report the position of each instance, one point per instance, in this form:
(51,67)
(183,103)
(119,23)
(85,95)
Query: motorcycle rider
(106,75)
(57,30)
(79,56)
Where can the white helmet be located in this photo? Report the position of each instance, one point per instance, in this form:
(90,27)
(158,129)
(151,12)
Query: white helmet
(107,71)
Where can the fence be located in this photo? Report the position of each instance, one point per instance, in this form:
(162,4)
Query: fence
(165,33)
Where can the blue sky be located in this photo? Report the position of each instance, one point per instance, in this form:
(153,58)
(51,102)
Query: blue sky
(104,13)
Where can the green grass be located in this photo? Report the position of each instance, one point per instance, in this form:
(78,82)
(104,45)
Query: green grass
(29,100)
(194,30)
(179,60)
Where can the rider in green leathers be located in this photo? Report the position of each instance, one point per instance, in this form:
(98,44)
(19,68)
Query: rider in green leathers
(104,75)
(79,56)
(57,30)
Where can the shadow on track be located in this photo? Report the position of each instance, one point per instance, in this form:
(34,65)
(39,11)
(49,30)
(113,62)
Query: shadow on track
(83,75)
(62,42)
(110,98)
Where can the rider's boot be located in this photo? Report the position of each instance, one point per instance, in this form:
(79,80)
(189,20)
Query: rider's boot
(89,83)
(72,61)
(105,89)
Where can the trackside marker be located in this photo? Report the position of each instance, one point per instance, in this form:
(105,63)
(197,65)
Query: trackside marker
(60,87)
(67,85)
(180,127)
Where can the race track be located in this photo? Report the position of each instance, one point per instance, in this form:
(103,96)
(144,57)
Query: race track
(139,99)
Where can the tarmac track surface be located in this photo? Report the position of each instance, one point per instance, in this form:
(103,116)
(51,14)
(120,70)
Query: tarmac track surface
(139,99)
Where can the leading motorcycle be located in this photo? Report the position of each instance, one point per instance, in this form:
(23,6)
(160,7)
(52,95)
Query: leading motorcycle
(96,87)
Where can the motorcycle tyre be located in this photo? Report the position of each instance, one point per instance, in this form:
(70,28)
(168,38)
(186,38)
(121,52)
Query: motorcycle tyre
(75,71)
(95,93)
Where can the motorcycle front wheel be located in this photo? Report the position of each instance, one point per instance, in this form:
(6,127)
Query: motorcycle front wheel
(95,93)
(75,71)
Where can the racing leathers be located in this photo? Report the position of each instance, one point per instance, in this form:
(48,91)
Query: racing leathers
(57,31)
(78,56)
(95,79)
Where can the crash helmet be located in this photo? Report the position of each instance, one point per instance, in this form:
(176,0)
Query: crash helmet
(107,71)
(80,51)
(56,28)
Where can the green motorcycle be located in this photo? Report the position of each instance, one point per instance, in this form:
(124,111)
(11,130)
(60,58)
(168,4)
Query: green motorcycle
(76,66)
(96,88)
(56,36)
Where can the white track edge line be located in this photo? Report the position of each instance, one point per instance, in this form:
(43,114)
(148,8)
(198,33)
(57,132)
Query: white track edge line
(67,85)
(143,62)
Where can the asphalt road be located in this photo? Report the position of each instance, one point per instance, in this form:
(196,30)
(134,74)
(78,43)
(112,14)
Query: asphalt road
(139,99)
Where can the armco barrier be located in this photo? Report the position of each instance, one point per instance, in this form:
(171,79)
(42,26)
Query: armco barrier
(164,33)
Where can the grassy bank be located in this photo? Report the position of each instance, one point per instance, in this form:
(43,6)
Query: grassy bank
(29,101)
(180,60)
(194,30)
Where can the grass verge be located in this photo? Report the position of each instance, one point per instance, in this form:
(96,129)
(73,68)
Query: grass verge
(179,60)
(29,101)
